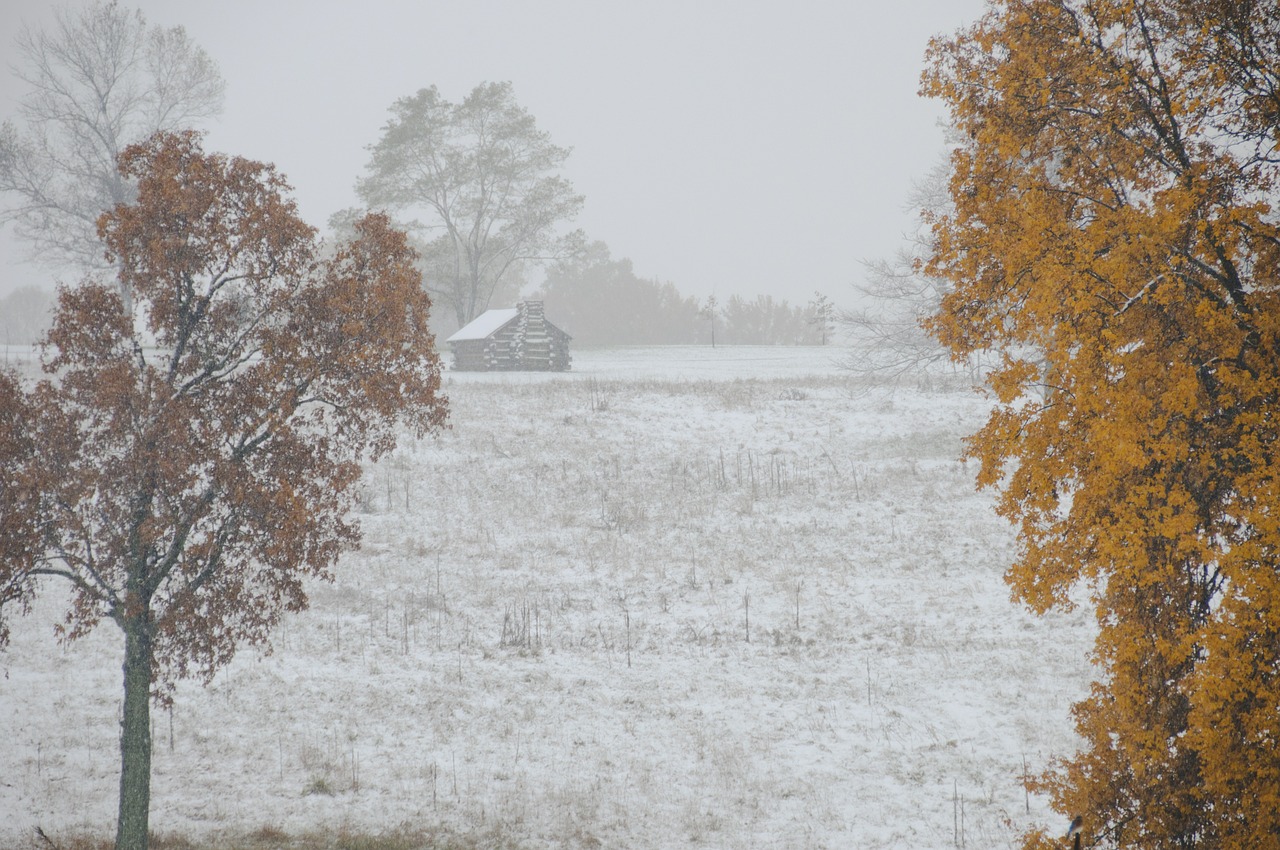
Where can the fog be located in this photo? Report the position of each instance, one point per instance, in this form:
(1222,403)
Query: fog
(728,147)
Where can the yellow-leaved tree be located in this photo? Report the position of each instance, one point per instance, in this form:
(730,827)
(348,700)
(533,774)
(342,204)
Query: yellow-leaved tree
(1115,235)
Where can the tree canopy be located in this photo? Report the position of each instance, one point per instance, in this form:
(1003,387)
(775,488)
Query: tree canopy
(186,472)
(1114,212)
(486,179)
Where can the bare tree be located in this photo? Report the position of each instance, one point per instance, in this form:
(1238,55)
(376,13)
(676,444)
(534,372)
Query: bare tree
(886,336)
(100,79)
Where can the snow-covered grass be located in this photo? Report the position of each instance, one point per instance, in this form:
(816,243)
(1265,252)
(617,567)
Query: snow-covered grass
(675,598)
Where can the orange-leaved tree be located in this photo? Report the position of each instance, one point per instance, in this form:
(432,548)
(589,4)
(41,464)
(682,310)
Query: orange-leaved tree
(1115,235)
(187,468)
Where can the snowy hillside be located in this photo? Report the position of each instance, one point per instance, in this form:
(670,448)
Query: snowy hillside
(673,598)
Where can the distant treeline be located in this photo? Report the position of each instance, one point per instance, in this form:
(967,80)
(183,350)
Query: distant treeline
(600,301)
(597,300)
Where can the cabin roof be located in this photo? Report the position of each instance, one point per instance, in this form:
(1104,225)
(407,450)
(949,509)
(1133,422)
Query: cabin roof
(484,325)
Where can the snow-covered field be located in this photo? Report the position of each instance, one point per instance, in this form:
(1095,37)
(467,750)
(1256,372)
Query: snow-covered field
(675,598)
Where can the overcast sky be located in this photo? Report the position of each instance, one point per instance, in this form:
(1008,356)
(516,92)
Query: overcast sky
(728,146)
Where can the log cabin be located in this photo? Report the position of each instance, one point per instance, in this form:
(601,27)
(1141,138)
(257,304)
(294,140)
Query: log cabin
(511,339)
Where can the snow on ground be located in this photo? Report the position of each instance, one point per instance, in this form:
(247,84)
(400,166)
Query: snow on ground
(681,597)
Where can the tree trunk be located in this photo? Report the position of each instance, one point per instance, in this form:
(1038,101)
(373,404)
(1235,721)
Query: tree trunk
(135,738)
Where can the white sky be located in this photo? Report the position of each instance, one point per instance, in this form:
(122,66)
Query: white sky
(728,146)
